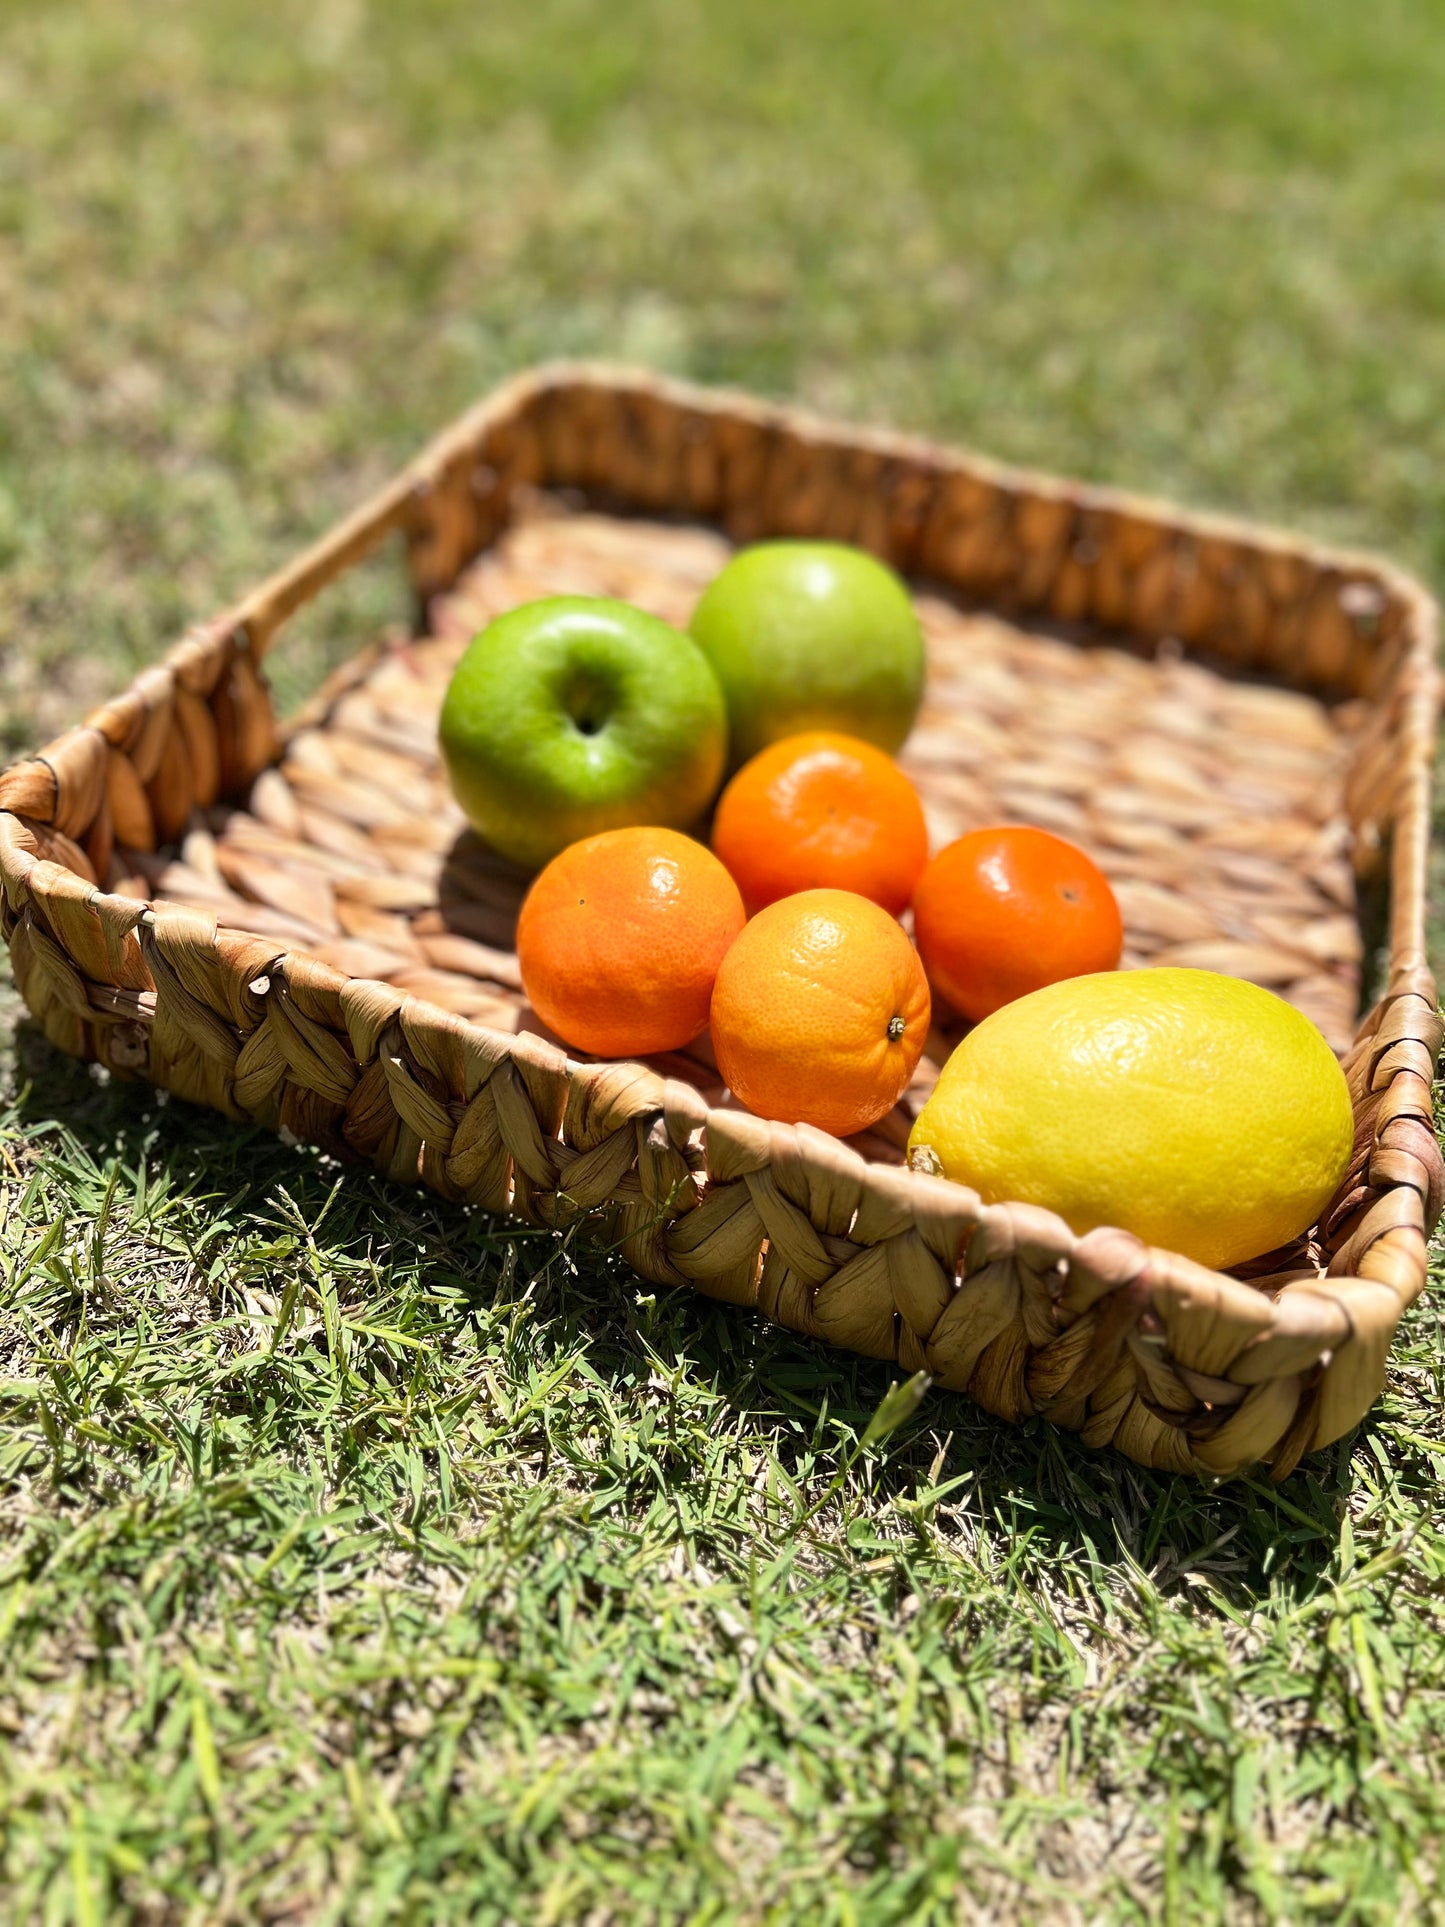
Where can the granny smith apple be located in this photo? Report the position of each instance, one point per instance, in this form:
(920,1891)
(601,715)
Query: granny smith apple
(811,635)
(577,714)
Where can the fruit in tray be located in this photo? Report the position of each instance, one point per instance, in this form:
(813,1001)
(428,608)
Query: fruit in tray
(1196,1110)
(811,635)
(820,1012)
(577,714)
(1005,911)
(620,938)
(822,811)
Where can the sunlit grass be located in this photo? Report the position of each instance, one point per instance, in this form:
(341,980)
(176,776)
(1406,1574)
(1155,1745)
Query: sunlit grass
(364,1561)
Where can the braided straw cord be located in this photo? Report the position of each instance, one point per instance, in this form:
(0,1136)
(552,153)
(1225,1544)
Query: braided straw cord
(1176,1365)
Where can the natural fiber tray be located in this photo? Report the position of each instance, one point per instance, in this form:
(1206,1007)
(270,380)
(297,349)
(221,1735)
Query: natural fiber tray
(293,925)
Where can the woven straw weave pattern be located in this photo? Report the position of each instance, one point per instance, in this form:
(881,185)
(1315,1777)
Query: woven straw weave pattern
(274,928)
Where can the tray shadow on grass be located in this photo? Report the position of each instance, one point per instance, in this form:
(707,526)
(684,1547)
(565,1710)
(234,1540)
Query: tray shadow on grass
(1031,1486)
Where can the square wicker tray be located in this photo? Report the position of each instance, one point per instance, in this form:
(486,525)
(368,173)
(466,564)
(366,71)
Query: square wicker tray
(294,926)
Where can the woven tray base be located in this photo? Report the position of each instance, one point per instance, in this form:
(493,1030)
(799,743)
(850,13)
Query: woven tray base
(1215,804)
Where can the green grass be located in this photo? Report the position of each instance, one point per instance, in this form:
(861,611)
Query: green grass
(364,1562)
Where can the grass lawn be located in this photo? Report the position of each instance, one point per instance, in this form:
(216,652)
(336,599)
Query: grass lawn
(364,1562)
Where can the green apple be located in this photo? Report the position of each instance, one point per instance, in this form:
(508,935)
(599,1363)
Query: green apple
(577,714)
(811,635)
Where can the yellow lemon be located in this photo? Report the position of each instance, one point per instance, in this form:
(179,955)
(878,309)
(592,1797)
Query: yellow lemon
(1197,1111)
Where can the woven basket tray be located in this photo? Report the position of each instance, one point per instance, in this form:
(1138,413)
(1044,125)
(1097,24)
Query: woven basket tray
(294,927)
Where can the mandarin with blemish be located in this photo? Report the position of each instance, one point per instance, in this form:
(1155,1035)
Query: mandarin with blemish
(1004,911)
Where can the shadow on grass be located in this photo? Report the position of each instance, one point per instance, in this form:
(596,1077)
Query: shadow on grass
(1029,1486)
